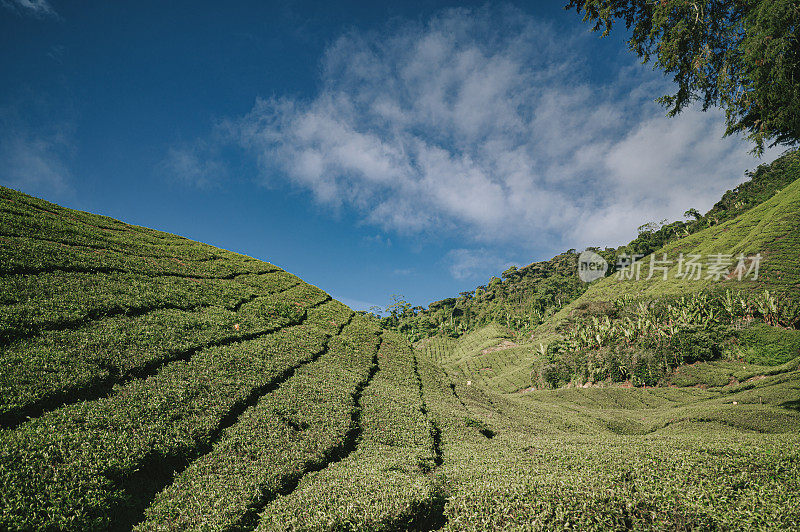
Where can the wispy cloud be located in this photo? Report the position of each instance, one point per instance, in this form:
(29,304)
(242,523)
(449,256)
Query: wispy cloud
(470,264)
(377,240)
(35,8)
(357,304)
(194,164)
(34,159)
(483,123)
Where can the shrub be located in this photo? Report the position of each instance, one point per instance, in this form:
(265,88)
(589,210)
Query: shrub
(694,344)
(767,345)
(554,375)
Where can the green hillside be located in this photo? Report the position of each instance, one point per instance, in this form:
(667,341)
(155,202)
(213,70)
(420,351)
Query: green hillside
(523,298)
(642,329)
(149,379)
(771,228)
(542,326)
(154,383)
(678,330)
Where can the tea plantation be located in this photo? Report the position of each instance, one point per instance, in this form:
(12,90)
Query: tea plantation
(149,382)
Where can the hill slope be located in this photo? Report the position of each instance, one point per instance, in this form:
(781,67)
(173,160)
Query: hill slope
(640,322)
(509,359)
(129,354)
(771,228)
(154,383)
(522,298)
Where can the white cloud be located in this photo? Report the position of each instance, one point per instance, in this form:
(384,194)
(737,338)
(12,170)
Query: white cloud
(661,168)
(377,240)
(482,123)
(36,8)
(194,165)
(357,304)
(34,159)
(465,264)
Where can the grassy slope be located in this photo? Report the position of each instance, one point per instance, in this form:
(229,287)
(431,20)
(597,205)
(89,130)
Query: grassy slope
(488,357)
(527,296)
(719,452)
(771,228)
(612,458)
(146,378)
(149,379)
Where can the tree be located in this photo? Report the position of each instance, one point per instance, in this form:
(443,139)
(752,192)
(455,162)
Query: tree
(400,308)
(692,213)
(510,273)
(741,55)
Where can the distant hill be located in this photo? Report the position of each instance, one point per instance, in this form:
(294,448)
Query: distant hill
(641,329)
(523,298)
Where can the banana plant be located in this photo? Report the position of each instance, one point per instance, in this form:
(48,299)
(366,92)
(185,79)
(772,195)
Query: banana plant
(628,332)
(541,350)
(767,307)
(670,329)
(747,309)
(729,304)
(685,317)
(709,317)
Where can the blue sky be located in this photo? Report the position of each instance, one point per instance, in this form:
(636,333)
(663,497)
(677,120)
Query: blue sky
(370,149)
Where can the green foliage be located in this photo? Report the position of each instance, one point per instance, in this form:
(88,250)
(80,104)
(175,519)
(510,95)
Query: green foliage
(762,184)
(771,228)
(697,344)
(555,375)
(523,299)
(172,413)
(387,482)
(607,458)
(482,428)
(692,213)
(644,341)
(769,346)
(743,56)
(527,297)
(171,385)
(644,330)
(298,426)
(147,362)
(242,398)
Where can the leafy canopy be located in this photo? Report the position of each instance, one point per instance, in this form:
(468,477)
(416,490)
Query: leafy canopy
(742,55)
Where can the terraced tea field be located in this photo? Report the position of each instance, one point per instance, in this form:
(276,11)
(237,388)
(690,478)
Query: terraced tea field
(154,383)
(488,357)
